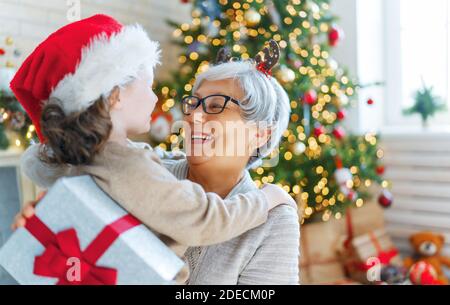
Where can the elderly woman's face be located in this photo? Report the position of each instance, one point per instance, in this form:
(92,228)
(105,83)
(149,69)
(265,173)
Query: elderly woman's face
(224,137)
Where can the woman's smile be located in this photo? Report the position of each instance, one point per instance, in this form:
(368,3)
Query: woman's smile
(201,138)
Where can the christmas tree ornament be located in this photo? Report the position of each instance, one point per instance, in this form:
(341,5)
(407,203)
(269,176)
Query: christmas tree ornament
(339,132)
(341,114)
(299,148)
(9,41)
(209,8)
(310,97)
(423,273)
(370,101)
(385,199)
(285,75)
(380,169)
(17,53)
(335,35)
(252,17)
(2,52)
(319,130)
(332,63)
(343,175)
(161,126)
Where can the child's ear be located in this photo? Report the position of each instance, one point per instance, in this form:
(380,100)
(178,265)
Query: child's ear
(114,98)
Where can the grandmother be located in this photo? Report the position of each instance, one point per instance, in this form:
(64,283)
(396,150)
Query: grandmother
(240,94)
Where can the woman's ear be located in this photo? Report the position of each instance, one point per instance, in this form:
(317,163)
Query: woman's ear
(114,98)
(262,136)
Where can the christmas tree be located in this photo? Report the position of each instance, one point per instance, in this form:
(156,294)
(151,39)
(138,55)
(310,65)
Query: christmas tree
(326,169)
(15,126)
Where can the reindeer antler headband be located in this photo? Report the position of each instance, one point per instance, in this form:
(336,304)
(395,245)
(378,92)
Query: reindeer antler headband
(263,64)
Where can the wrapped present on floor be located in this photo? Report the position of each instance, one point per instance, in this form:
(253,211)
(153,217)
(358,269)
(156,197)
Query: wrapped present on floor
(364,256)
(319,243)
(79,235)
(318,261)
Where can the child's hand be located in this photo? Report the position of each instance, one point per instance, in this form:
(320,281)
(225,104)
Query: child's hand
(27,211)
(277,196)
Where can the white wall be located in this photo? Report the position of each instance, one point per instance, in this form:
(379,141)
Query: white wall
(362,52)
(29,21)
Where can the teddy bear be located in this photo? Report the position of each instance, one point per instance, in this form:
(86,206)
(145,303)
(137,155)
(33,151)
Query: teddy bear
(427,247)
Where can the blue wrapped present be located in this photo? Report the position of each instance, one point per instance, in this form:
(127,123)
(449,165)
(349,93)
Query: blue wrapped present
(79,235)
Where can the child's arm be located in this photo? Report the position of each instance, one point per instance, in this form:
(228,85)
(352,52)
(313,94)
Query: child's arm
(182,210)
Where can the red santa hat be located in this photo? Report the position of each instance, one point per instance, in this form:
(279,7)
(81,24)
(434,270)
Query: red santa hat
(80,62)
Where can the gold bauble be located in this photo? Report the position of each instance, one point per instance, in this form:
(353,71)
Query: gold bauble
(252,17)
(9,41)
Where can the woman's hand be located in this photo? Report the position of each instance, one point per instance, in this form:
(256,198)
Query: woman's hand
(277,196)
(27,211)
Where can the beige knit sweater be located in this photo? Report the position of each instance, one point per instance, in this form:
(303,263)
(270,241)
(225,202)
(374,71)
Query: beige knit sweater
(179,210)
(265,255)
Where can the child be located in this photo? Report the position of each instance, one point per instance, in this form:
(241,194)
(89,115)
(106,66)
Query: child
(87,88)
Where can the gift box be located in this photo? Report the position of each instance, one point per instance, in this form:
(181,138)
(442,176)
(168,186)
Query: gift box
(79,235)
(363,256)
(320,262)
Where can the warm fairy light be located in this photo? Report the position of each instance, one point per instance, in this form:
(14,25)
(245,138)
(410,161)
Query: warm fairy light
(308,211)
(18,143)
(380,153)
(188,87)
(177,33)
(359,202)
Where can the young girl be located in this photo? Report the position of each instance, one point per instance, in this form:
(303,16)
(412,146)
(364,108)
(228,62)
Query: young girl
(87,88)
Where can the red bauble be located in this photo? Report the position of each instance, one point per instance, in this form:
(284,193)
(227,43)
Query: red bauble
(370,102)
(339,132)
(341,114)
(352,195)
(380,170)
(184,1)
(386,198)
(2,52)
(334,36)
(310,97)
(319,130)
(423,273)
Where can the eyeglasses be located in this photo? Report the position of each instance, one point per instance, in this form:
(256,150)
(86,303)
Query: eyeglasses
(212,104)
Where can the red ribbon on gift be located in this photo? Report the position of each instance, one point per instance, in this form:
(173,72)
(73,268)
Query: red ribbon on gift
(62,250)
(384,257)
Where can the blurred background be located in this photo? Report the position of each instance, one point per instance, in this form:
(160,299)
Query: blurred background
(366,154)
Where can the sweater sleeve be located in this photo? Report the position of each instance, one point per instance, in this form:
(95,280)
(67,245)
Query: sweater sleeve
(181,209)
(276,261)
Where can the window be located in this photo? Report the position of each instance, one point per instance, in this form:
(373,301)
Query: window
(417,51)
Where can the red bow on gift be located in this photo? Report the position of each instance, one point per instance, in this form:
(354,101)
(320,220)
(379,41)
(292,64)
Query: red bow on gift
(63,253)
(384,258)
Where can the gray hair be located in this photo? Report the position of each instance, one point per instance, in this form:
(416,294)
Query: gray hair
(265,100)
